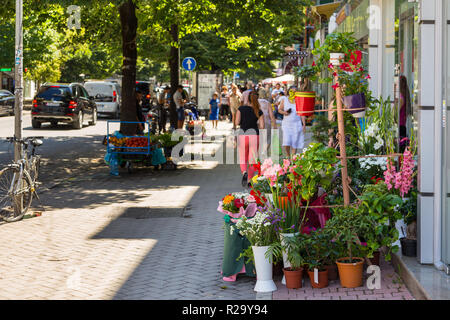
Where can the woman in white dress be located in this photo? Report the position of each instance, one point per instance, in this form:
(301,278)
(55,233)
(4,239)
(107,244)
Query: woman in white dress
(293,126)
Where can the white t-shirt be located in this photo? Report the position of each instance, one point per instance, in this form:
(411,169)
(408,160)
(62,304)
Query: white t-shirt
(224,98)
(178,98)
(293,118)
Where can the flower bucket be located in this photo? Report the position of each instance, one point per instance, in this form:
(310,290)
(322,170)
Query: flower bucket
(286,263)
(409,247)
(336,58)
(282,202)
(264,280)
(293,278)
(350,274)
(322,278)
(305,102)
(357,102)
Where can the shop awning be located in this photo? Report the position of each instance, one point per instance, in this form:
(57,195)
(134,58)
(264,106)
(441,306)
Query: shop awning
(327,9)
(286,79)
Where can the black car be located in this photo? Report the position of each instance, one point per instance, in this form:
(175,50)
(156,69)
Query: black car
(7,100)
(144,87)
(67,103)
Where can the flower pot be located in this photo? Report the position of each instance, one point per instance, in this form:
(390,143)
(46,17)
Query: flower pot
(409,247)
(305,102)
(376,258)
(264,280)
(357,102)
(336,58)
(286,263)
(332,272)
(322,278)
(350,274)
(293,278)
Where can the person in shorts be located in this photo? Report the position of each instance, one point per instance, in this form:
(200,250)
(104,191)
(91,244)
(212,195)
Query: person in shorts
(214,110)
(224,104)
(179,102)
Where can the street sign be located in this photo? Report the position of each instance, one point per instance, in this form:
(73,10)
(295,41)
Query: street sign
(5,69)
(189,63)
(237,75)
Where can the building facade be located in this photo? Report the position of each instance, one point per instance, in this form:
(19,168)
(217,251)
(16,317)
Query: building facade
(406,46)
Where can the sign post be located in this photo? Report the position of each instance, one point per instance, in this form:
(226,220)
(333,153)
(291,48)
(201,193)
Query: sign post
(189,64)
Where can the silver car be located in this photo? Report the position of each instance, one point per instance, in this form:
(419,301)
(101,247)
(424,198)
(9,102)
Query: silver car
(7,100)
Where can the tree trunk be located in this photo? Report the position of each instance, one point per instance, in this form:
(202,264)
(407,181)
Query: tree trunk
(128,21)
(174,81)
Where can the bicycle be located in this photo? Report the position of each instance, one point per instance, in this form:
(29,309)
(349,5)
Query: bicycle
(18,181)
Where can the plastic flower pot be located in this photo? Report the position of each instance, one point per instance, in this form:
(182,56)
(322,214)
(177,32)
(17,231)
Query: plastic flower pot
(332,272)
(336,58)
(350,273)
(286,263)
(357,102)
(293,277)
(282,201)
(264,280)
(409,247)
(305,102)
(321,281)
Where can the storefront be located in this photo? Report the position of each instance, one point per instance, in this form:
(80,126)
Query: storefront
(408,59)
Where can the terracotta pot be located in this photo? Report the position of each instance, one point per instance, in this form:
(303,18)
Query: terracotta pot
(305,102)
(322,279)
(332,272)
(350,274)
(293,278)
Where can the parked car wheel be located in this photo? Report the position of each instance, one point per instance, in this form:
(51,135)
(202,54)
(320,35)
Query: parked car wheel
(35,124)
(93,122)
(78,124)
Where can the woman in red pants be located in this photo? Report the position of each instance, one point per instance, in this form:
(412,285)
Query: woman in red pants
(250,119)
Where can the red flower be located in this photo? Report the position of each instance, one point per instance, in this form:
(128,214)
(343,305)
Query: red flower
(346,67)
(257,167)
(257,196)
(378,180)
(314,64)
(330,66)
(238,203)
(368,77)
(335,86)
(356,57)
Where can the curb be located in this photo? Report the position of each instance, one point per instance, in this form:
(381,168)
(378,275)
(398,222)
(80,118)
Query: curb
(413,285)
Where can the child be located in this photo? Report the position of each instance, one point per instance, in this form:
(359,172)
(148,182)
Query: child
(214,109)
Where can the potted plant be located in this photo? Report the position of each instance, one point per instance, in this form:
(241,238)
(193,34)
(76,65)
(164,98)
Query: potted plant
(345,227)
(305,99)
(261,234)
(315,246)
(292,248)
(334,48)
(409,210)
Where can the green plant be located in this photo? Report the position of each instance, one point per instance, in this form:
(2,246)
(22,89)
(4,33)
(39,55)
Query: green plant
(382,207)
(346,226)
(292,246)
(336,42)
(166,140)
(318,249)
(321,128)
(306,74)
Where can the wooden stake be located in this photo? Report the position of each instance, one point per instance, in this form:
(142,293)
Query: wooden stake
(343,153)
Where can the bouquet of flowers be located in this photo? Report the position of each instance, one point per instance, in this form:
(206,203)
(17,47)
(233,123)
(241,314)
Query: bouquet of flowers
(259,230)
(236,205)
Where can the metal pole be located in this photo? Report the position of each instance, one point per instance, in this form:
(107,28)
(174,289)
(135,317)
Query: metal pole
(343,152)
(18,105)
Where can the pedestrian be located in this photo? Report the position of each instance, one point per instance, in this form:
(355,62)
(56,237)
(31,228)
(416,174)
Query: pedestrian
(269,119)
(293,126)
(139,113)
(163,104)
(250,118)
(245,94)
(179,102)
(224,104)
(214,110)
(235,103)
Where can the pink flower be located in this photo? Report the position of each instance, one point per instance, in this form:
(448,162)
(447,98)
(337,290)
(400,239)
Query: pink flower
(286,163)
(251,198)
(268,163)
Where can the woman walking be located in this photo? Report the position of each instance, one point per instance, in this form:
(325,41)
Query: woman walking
(235,103)
(214,110)
(293,126)
(224,105)
(251,119)
(269,120)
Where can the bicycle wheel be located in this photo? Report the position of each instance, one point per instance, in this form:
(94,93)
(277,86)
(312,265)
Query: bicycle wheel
(11,196)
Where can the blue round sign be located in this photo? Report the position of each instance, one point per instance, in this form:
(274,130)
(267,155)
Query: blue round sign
(189,63)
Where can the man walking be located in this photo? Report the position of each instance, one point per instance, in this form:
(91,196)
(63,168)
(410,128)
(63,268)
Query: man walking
(179,102)
(163,103)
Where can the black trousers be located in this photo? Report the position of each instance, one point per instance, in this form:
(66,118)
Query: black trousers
(162,119)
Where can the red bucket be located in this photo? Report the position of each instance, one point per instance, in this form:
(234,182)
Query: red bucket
(305,102)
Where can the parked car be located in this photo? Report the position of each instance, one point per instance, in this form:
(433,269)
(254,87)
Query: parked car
(7,101)
(147,102)
(107,96)
(67,103)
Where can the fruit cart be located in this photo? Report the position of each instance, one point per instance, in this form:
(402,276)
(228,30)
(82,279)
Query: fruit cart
(132,151)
